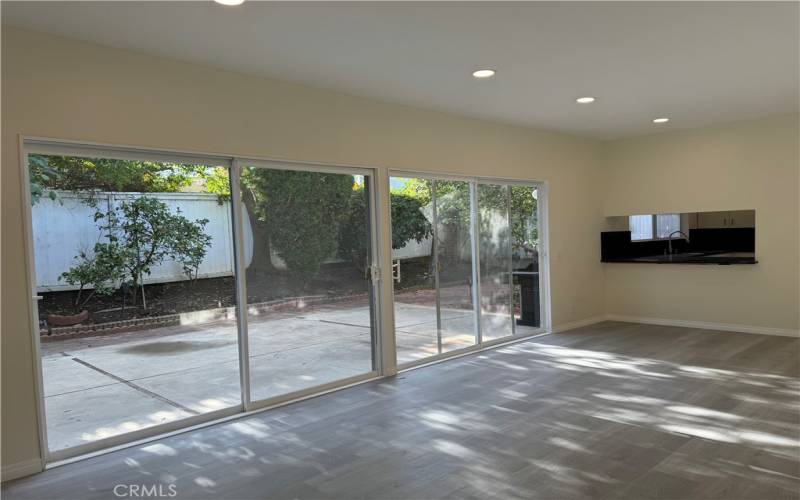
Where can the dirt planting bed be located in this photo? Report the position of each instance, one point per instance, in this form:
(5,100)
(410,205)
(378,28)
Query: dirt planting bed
(171,304)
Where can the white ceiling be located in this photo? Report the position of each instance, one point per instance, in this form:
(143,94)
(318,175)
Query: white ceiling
(697,63)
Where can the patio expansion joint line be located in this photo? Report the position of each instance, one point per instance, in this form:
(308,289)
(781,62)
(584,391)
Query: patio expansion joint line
(136,387)
(340,323)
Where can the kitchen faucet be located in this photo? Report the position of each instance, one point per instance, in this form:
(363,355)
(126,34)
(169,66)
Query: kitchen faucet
(669,238)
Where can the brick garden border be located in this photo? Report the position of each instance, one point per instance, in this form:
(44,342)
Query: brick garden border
(187,319)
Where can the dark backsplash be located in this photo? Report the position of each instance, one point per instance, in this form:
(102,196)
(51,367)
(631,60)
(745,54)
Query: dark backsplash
(741,239)
(618,244)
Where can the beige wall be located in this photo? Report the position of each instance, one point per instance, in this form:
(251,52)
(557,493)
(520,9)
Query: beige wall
(750,164)
(57,88)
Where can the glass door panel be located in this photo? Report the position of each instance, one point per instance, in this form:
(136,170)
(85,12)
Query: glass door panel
(309,293)
(525,246)
(454,265)
(437,275)
(494,242)
(414,268)
(134,266)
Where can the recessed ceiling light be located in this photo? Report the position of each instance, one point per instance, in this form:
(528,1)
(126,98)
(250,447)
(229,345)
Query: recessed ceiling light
(661,120)
(584,100)
(483,73)
(230,2)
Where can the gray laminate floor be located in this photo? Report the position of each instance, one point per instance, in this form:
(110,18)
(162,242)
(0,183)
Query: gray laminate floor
(100,387)
(614,410)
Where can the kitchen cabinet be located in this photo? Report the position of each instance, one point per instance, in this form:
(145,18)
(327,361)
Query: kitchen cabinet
(726,219)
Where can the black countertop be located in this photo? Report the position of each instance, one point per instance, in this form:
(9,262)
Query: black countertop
(705,246)
(722,258)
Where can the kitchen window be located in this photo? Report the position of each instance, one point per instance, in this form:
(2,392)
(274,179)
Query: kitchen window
(653,226)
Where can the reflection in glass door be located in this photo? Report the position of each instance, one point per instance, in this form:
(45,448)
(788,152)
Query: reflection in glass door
(454,265)
(416,315)
(309,292)
(525,257)
(466,263)
(494,248)
(433,288)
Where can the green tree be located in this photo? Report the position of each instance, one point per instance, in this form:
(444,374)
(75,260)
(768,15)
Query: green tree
(42,176)
(408,223)
(453,205)
(214,180)
(302,213)
(143,233)
(524,221)
(49,174)
(102,270)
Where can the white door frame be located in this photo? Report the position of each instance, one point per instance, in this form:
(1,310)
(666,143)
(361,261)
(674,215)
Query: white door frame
(33,145)
(544,260)
(370,175)
(384,342)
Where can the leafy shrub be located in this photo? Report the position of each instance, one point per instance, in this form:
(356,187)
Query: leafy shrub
(102,270)
(141,233)
(49,174)
(302,212)
(408,223)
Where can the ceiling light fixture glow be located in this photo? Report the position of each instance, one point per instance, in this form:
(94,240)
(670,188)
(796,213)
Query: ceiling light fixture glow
(230,2)
(483,73)
(584,100)
(661,120)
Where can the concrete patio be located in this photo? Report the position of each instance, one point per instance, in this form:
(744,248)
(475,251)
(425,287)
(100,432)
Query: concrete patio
(104,386)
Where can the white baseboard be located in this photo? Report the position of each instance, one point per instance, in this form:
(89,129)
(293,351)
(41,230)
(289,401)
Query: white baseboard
(21,469)
(577,324)
(706,325)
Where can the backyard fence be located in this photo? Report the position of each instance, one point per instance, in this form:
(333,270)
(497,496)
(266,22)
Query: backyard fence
(64,227)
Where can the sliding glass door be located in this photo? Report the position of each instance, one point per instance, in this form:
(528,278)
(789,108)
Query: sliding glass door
(454,265)
(309,293)
(466,263)
(525,252)
(494,248)
(416,299)
(509,248)
(433,280)
(174,289)
(134,275)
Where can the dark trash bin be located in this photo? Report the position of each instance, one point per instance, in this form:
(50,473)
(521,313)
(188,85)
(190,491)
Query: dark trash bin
(528,281)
